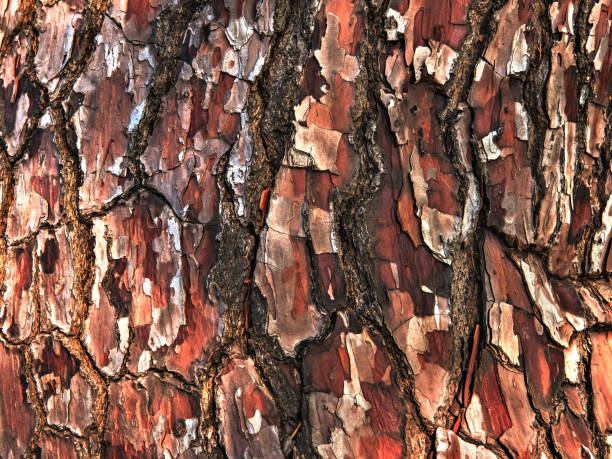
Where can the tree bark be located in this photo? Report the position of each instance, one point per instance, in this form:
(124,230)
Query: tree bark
(314,228)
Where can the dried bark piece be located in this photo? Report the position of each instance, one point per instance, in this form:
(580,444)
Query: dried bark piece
(427,208)
(510,182)
(296,255)
(282,275)
(239,160)
(486,415)
(594,133)
(598,49)
(107,330)
(567,255)
(508,49)
(601,249)
(417,130)
(16,415)
(531,275)
(196,339)
(601,361)
(151,275)
(285,208)
(116,76)
(238,42)
(167,145)
(561,324)
(323,115)
(499,409)
(151,417)
(416,306)
(140,289)
(561,100)
(503,124)
(420,22)
(504,280)
(65,393)
(543,363)
(181,156)
(55,277)
(556,204)
(321,189)
(136,19)
(20,295)
(283,266)
(59,24)
(205,114)
(13,13)
(51,446)
(354,407)
(38,188)
(449,445)
(596,298)
(518,337)
(562,16)
(501,323)
(20,98)
(249,419)
(332,57)
(572,436)
(320,144)
(436,60)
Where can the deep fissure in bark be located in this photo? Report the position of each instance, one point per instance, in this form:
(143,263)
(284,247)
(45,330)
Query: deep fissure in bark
(327,228)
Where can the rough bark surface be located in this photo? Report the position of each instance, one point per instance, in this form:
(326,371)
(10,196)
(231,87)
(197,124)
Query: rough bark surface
(314,228)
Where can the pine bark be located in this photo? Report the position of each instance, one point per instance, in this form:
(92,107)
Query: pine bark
(305,228)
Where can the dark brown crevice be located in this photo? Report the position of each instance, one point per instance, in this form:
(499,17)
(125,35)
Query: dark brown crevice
(82,48)
(79,226)
(350,226)
(467,290)
(27,10)
(290,403)
(169,32)
(231,284)
(7,184)
(41,104)
(482,29)
(534,94)
(81,247)
(8,168)
(209,424)
(604,166)
(602,448)
(99,385)
(34,400)
(272,96)
(585,95)
(81,239)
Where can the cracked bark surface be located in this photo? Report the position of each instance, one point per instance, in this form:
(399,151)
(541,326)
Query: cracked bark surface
(315,228)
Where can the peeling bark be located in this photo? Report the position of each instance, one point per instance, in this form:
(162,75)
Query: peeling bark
(326,228)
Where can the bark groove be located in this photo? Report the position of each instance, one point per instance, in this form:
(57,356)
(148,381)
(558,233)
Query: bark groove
(317,228)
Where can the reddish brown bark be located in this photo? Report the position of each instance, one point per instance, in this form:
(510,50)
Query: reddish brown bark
(319,228)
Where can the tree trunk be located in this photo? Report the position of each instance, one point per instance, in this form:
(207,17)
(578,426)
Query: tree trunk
(334,228)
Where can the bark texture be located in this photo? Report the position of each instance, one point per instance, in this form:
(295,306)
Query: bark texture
(282,228)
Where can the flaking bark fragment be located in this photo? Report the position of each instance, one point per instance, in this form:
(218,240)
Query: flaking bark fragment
(329,228)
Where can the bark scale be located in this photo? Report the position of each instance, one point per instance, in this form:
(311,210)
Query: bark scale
(315,228)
